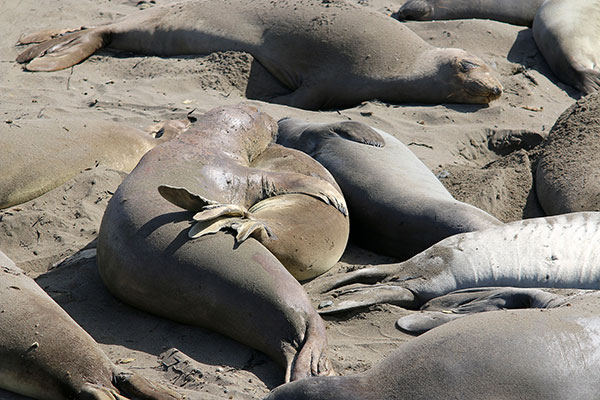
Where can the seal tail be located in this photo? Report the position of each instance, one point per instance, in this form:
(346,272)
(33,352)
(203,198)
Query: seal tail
(62,51)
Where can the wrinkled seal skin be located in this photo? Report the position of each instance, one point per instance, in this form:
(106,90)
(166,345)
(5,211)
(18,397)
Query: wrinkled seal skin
(566,32)
(516,12)
(568,172)
(330,54)
(44,354)
(554,252)
(237,288)
(509,355)
(398,206)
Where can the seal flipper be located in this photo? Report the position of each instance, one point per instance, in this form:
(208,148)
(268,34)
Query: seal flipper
(44,36)
(183,198)
(63,51)
(358,132)
(417,324)
(460,303)
(590,80)
(366,296)
(138,387)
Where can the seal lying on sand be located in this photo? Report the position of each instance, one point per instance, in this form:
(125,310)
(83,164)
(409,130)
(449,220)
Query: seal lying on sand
(517,12)
(566,32)
(398,206)
(43,154)
(510,355)
(226,169)
(331,54)
(45,355)
(568,172)
(557,252)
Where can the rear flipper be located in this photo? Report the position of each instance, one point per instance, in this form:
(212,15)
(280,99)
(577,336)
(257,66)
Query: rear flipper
(62,51)
(461,303)
(44,36)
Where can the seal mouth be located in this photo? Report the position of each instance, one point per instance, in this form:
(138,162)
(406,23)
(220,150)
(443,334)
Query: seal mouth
(485,93)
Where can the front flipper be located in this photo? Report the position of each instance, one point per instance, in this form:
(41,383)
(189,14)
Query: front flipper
(138,387)
(369,275)
(358,132)
(464,302)
(63,51)
(365,296)
(422,322)
(183,198)
(213,217)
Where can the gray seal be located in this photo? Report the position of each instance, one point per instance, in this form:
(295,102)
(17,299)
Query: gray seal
(330,54)
(397,206)
(513,354)
(227,171)
(516,12)
(566,32)
(568,171)
(46,355)
(562,251)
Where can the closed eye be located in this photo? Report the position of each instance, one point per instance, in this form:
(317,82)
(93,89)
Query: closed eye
(467,65)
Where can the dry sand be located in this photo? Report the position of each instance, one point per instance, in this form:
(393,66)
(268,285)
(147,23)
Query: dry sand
(476,149)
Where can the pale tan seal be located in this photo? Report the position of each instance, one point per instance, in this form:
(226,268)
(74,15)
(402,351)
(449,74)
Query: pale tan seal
(44,354)
(566,32)
(330,54)
(39,155)
(227,170)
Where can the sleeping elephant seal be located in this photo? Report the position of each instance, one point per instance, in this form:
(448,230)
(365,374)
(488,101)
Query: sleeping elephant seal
(509,355)
(553,252)
(568,172)
(44,354)
(42,154)
(516,12)
(329,53)
(398,206)
(229,173)
(566,32)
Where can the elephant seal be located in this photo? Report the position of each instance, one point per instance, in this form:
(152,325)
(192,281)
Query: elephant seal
(46,355)
(511,355)
(330,54)
(516,12)
(554,252)
(398,206)
(227,170)
(74,145)
(568,171)
(566,32)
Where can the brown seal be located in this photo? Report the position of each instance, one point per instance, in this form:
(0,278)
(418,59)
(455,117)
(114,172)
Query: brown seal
(45,355)
(330,54)
(227,171)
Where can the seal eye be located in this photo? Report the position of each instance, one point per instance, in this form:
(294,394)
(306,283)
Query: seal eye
(465,66)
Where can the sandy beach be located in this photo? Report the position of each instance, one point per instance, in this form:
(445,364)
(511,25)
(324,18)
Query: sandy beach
(483,154)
